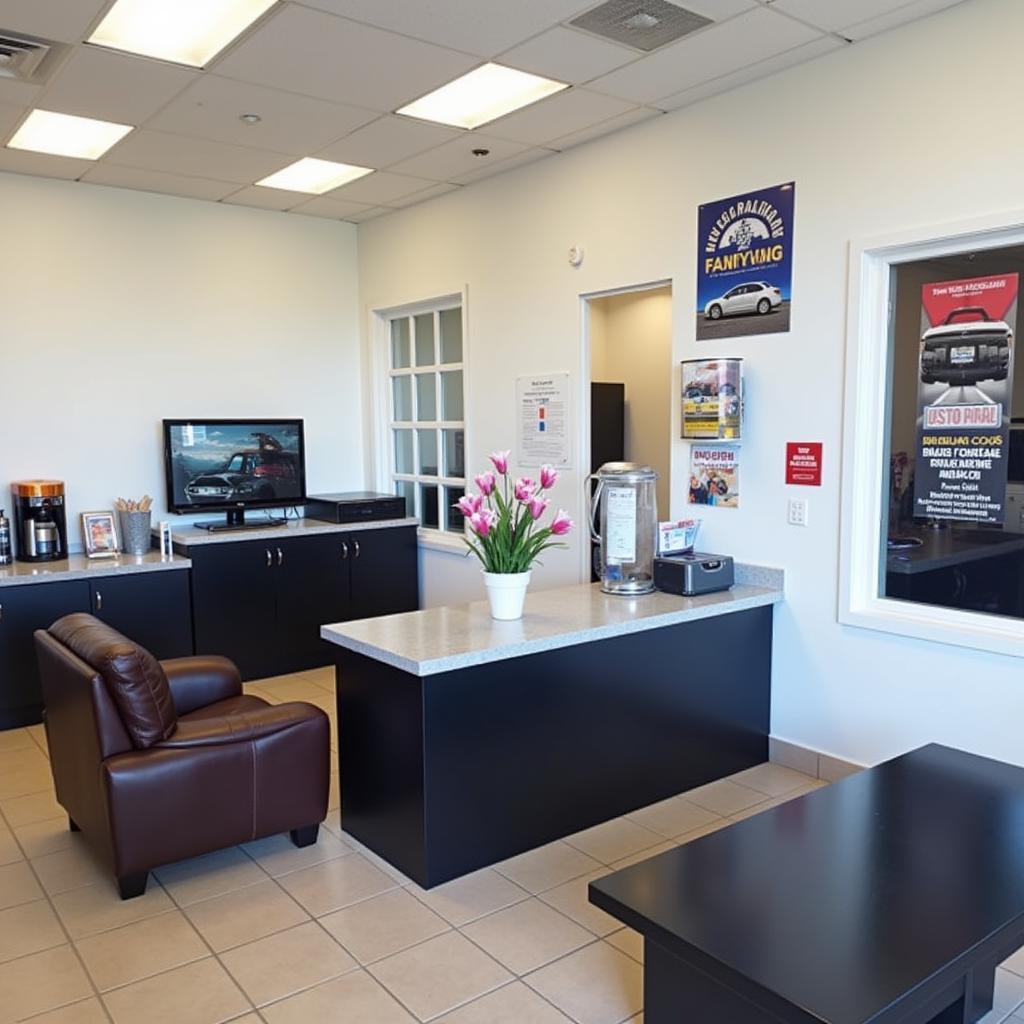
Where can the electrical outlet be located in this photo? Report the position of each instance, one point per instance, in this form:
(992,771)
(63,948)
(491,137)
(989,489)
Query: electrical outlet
(797,512)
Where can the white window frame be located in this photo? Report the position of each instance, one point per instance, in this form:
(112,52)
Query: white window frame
(865,429)
(386,472)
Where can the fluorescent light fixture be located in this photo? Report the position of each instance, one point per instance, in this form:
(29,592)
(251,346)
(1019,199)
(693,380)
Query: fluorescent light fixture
(314,176)
(45,131)
(489,92)
(183,31)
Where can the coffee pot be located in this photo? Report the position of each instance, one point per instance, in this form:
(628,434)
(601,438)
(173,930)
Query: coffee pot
(40,524)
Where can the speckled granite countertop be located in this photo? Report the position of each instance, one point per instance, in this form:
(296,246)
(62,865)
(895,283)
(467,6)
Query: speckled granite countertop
(186,537)
(78,567)
(437,640)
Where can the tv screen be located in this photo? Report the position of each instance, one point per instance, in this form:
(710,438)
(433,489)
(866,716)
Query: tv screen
(231,464)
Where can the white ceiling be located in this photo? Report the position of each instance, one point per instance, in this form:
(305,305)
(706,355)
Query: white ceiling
(326,75)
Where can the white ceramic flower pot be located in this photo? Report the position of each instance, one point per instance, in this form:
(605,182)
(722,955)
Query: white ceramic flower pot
(506,591)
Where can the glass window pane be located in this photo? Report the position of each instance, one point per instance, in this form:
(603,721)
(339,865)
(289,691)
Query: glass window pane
(456,522)
(454,452)
(402,397)
(451,335)
(403,451)
(407,489)
(451,395)
(428,505)
(428,452)
(400,343)
(426,397)
(425,339)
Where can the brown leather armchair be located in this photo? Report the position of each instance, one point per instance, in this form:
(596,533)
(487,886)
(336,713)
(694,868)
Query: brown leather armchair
(158,761)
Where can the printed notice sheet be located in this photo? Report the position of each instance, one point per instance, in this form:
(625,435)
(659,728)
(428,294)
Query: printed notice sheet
(542,403)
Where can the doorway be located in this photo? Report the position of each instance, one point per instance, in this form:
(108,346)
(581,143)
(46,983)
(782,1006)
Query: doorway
(628,346)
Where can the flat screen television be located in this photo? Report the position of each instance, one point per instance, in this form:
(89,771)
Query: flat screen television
(234,465)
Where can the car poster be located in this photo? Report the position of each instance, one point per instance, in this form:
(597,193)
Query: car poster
(714,476)
(745,264)
(964,389)
(712,399)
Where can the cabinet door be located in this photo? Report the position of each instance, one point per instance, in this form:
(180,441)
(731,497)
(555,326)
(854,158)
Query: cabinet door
(153,609)
(24,609)
(385,571)
(312,590)
(234,605)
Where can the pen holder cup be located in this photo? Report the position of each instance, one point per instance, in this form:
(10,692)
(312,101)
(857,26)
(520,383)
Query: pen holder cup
(135,532)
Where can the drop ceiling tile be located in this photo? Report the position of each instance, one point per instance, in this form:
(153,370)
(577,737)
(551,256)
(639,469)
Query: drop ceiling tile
(10,118)
(836,14)
(157,181)
(719,10)
(433,192)
(18,93)
(198,158)
(370,214)
(67,21)
(20,161)
(527,156)
(481,28)
(380,188)
(558,115)
(300,125)
(265,198)
(707,54)
(447,162)
(634,116)
(911,12)
(387,141)
(114,86)
(798,55)
(332,209)
(568,56)
(317,54)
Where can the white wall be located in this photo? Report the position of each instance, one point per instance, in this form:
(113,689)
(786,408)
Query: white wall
(121,308)
(874,138)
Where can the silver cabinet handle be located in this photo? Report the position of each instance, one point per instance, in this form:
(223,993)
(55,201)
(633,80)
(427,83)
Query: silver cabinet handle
(280,557)
(355,545)
(1,613)
(99,601)
(344,549)
(270,558)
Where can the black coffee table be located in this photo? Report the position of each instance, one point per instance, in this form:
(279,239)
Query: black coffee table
(890,896)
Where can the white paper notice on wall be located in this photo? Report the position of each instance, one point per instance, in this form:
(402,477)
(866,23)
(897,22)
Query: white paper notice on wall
(620,524)
(542,405)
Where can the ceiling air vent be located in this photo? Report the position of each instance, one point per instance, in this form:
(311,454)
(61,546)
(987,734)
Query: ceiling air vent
(642,24)
(21,58)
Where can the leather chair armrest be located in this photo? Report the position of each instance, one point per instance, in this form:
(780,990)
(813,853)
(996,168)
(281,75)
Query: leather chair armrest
(199,681)
(240,727)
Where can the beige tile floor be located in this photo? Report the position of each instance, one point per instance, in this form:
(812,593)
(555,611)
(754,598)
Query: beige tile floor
(265,932)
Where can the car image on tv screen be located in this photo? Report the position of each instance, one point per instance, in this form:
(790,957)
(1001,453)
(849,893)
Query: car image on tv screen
(226,464)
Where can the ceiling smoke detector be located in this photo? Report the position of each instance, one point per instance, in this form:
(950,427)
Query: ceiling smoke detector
(645,25)
(22,57)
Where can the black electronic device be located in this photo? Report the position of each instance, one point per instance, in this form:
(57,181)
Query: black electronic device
(693,573)
(355,507)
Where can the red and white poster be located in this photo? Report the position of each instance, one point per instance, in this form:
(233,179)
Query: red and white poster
(803,463)
(964,390)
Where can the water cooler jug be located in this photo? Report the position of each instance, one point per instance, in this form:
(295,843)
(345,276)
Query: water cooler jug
(627,530)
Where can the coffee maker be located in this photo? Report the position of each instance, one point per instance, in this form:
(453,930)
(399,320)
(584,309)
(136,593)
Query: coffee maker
(40,523)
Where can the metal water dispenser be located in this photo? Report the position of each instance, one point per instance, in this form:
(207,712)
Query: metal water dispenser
(627,530)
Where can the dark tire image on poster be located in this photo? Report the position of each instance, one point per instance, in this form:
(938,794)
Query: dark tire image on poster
(764,306)
(715,312)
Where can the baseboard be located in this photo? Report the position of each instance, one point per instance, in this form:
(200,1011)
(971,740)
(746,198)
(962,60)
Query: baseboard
(809,761)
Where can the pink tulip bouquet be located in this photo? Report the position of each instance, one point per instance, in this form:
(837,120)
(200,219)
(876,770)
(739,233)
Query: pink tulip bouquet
(504,518)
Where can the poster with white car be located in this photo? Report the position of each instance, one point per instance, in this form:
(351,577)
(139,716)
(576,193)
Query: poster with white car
(745,264)
(964,388)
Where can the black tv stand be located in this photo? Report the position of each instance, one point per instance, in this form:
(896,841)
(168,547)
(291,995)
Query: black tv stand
(235,520)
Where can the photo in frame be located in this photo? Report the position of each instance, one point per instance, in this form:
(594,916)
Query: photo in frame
(100,534)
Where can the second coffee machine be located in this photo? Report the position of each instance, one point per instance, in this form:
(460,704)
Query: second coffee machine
(40,523)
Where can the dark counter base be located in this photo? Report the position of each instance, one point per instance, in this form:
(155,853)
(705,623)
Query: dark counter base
(448,773)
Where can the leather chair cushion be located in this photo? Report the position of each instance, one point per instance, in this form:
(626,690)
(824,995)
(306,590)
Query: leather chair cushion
(133,677)
(237,725)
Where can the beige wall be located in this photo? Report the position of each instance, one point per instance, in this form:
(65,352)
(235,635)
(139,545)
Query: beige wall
(631,344)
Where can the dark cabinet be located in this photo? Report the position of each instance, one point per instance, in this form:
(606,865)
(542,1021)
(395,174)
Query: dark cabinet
(153,609)
(262,603)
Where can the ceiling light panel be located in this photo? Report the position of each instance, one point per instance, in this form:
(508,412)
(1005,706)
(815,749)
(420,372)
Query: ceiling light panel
(45,131)
(188,32)
(314,177)
(474,99)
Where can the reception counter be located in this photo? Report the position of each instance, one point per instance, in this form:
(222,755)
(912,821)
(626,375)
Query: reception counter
(468,740)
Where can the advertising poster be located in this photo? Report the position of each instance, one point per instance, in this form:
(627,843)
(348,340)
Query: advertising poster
(543,404)
(712,399)
(745,264)
(714,476)
(964,389)
(803,463)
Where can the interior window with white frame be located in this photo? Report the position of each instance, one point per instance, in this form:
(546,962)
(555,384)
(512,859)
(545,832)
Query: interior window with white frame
(426,413)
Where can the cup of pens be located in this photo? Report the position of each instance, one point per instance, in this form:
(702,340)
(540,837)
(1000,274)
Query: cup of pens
(135,524)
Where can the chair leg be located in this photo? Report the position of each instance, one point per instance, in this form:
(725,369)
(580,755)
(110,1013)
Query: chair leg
(305,836)
(133,885)
(73,825)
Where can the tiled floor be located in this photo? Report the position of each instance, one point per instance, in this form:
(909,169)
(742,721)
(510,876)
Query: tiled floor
(266,932)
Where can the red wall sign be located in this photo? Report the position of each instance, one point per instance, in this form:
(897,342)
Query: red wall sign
(803,463)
